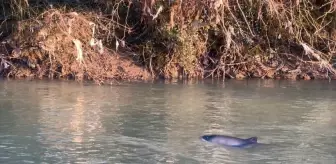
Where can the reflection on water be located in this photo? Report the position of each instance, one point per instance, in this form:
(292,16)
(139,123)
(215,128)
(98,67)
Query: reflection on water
(64,122)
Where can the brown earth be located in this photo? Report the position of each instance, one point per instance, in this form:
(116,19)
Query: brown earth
(64,45)
(59,44)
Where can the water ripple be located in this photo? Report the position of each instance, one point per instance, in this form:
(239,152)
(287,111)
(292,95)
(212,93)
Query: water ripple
(148,123)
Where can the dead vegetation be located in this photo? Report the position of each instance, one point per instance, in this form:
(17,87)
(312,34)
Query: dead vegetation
(60,44)
(264,39)
(173,39)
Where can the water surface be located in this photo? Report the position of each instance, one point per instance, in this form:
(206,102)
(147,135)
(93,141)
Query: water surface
(67,122)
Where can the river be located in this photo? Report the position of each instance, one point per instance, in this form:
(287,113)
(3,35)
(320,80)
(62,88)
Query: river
(68,122)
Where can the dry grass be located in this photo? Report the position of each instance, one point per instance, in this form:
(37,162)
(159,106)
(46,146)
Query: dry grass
(65,45)
(221,38)
(259,38)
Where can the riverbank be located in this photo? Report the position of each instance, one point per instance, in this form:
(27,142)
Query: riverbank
(104,41)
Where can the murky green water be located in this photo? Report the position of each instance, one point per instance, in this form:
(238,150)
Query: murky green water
(65,122)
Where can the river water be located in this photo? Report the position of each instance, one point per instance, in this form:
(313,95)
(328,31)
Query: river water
(67,122)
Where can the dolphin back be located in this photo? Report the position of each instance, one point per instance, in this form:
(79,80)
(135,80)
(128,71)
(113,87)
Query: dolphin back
(230,141)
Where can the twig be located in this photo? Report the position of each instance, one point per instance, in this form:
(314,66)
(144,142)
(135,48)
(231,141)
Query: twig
(248,25)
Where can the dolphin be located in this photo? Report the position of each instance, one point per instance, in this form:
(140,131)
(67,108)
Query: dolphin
(229,141)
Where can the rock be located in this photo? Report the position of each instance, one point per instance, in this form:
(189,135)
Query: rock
(305,76)
(240,76)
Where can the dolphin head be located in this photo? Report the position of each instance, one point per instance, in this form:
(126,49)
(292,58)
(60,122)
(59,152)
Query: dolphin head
(252,140)
(207,137)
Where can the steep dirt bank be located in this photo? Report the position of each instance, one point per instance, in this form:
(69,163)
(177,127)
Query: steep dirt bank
(140,40)
(64,45)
